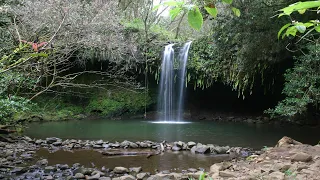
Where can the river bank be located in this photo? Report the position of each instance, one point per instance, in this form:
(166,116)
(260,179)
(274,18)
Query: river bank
(287,159)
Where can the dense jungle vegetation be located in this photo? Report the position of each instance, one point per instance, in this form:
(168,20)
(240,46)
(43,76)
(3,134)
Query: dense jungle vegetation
(66,59)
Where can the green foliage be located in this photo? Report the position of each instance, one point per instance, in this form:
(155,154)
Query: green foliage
(11,105)
(238,51)
(118,102)
(302,87)
(295,26)
(195,17)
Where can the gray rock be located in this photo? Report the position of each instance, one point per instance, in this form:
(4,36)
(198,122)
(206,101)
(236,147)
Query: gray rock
(125,143)
(202,149)
(51,140)
(276,175)
(142,175)
(106,146)
(176,148)
(301,156)
(39,141)
(19,170)
(97,172)
(192,170)
(49,169)
(97,146)
(100,142)
(143,145)
(120,170)
(85,171)
(42,162)
(79,176)
(8,153)
(64,167)
(133,145)
(135,169)
(220,167)
(104,178)
(191,144)
(227,174)
(127,177)
(58,143)
(164,176)
(49,178)
(193,149)
(179,144)
(94,177)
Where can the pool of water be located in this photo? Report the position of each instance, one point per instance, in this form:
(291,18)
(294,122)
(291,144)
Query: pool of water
(173,161)
(232,134)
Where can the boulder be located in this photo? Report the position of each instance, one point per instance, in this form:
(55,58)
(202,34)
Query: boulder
(127,177)
(135,169)
(176,148)
(51,140)
(287,141)
(227,174)
(79,176)
(49,169)
(301,156)
(120,170)
(191,144)
(219,167)
(142,175)
(42,162)
(276,175)
(94,177)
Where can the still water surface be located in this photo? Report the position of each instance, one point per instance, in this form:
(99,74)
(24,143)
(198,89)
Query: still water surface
(232,134)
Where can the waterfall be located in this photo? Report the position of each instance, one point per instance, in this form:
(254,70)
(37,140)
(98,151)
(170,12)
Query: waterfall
(171,96)
(183,58)
(165,97)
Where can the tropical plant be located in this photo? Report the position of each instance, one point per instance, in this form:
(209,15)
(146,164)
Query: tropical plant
(193,10)
(295,26)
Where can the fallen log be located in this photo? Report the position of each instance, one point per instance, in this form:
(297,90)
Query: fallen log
(129,153)
(7,131)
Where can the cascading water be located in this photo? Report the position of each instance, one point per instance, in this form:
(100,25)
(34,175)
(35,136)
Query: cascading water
(183,57)
(170,108)
(165,98)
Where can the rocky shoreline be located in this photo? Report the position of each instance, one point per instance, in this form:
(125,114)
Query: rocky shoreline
(287,159)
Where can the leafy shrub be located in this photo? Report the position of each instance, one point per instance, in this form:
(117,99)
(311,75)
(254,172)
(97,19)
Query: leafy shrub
(12,105)
(302,87)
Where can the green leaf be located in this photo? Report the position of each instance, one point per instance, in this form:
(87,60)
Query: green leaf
(156,7)
(227,1)
(308,24)
(174,12)
(236,11)
(171,3)
(212,11)
(302,11)
(283,28)
(195,18)
(317,28)
(291,31)
(301,28)
(300,6)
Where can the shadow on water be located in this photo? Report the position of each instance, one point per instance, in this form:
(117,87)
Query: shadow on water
(233,134)
(164,161)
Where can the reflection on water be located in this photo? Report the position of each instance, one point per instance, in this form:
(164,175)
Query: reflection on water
(232,134)
(169,122)
(175,161)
